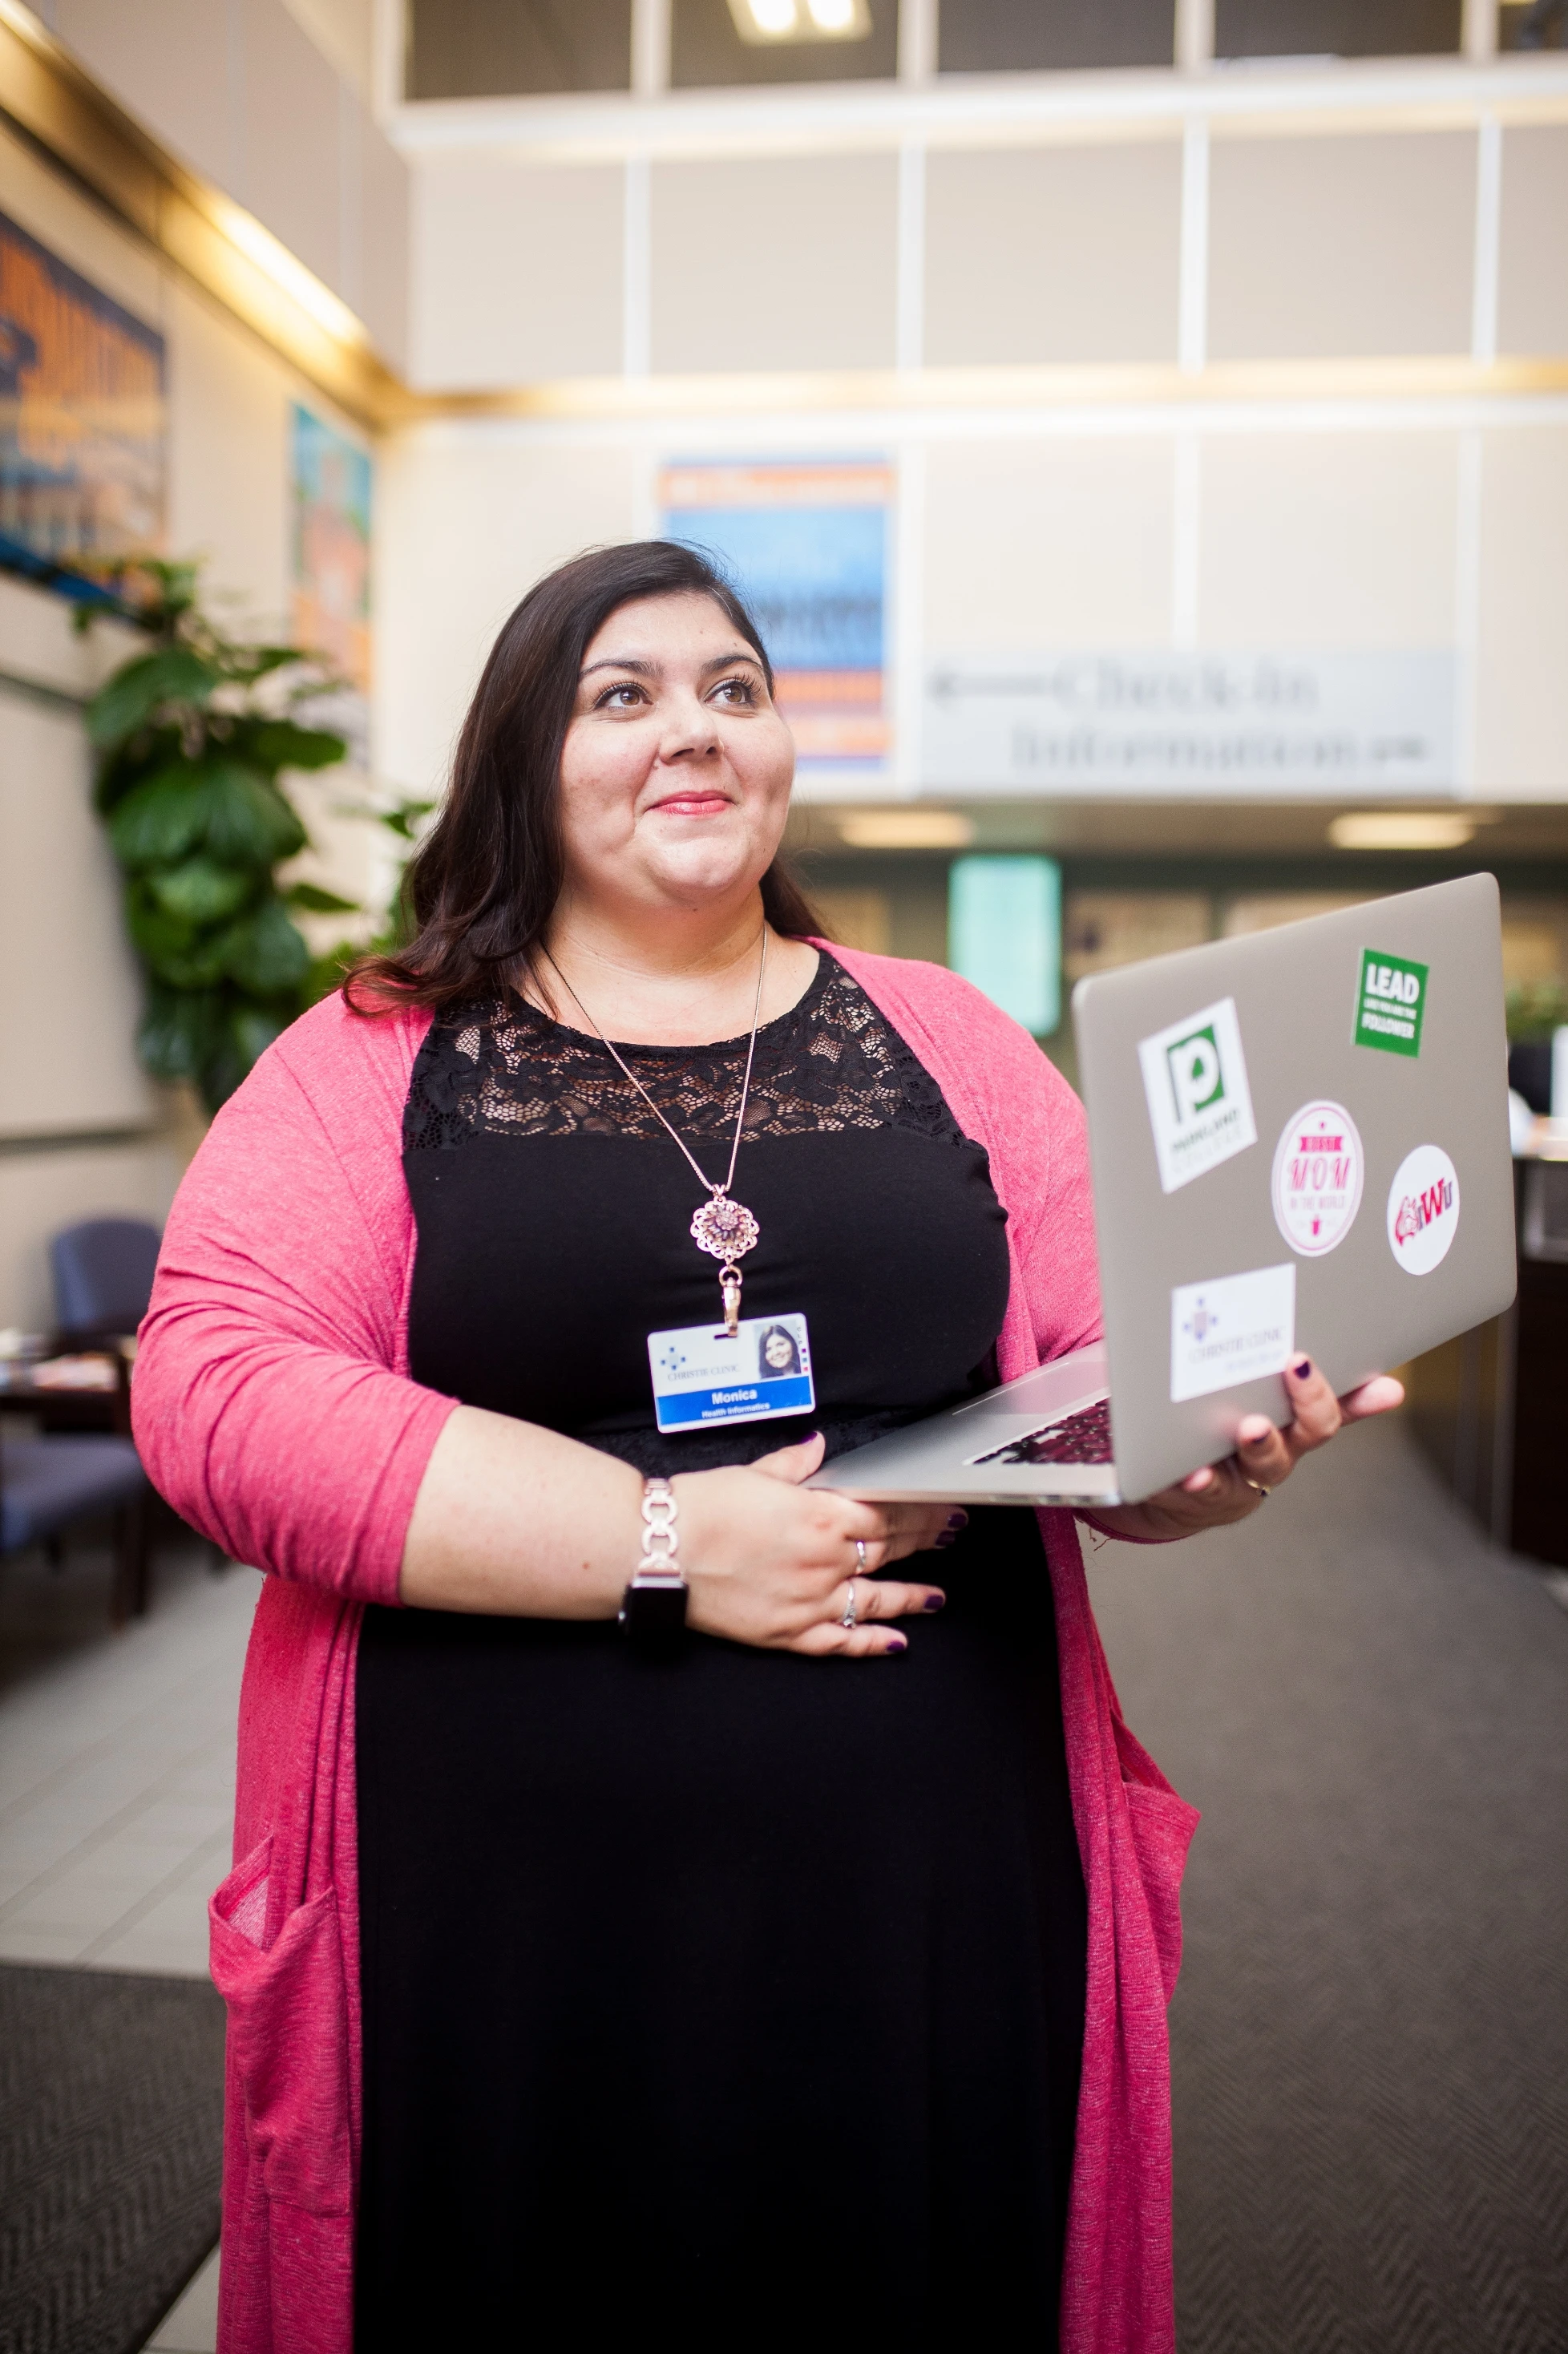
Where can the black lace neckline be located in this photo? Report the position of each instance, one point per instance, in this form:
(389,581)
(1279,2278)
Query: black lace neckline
(504,1067)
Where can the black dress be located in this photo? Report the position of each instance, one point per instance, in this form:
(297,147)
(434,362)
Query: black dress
(742,1995)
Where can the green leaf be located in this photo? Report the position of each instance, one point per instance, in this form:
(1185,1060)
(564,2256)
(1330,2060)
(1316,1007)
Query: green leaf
(180,953)
(315,901)
(200,891)
(164,818)
(248,823)
(120,770)
(403,819)
(180,1031)
(140,688)
(264,952)
(274,744)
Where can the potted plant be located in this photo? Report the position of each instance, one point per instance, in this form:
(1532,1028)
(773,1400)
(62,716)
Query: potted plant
(192,739)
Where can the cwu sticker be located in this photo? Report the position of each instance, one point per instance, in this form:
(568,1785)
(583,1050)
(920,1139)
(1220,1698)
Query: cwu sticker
(1423,1209)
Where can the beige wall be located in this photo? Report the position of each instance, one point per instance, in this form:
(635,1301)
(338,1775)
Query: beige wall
(1532,277)
(240,90)
(783,262)
(68,984)
(1053,253)
(1342,245)
(517,273)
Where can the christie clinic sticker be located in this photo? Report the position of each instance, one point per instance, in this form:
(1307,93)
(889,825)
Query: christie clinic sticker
(1423,1209)
(1231,1330)
(1317,1171)
(1194,1078)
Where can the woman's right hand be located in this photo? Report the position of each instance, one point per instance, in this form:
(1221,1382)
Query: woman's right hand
(768,1561)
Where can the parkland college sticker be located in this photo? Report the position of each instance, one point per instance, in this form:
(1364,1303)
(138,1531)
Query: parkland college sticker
(1423,1209)
(1317,1171)
(1195,1079)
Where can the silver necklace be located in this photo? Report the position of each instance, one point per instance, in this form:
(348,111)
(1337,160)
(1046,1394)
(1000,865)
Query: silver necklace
(726,1230)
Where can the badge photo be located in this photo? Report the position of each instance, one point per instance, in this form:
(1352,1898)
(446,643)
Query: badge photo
(1423,1209)
(1318,1168)
(1194,1081)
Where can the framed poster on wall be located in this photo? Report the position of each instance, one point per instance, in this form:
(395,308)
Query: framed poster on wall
(805,541)
(330,599)
(82,422)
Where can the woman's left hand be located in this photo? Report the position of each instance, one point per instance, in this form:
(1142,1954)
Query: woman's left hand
(1222,1492)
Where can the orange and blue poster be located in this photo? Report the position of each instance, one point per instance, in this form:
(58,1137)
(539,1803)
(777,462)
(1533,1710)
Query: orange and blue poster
(331,602)
(82,418)
(805,542)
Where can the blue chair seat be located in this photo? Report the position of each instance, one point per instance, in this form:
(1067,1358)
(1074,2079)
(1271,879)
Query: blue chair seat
(47,1482)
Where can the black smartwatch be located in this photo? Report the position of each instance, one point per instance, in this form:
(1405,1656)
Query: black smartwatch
(653,1607)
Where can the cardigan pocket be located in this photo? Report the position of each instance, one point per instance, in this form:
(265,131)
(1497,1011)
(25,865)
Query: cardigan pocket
(288,2030)
(1163,1824)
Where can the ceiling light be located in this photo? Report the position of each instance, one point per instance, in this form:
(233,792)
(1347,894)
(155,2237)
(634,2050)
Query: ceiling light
(1403,830)
(907,830)
(759,21)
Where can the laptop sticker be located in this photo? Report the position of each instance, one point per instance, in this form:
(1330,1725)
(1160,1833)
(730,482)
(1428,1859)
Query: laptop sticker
(1231,1330)
(1318,1165)
(1423,1209)
(1199,1107)
(1390,1001)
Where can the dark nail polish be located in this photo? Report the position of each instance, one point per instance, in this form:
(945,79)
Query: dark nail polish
(957,1520)
(897,1643)
(1303,1369)
(935,1601)
(941,1541)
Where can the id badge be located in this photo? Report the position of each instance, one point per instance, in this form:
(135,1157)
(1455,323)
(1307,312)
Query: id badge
(703,1377)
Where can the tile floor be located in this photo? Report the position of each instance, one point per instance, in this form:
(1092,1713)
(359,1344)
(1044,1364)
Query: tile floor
(116,1761)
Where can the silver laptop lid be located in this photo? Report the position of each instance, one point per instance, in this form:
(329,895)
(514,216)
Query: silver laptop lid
(1299,1142)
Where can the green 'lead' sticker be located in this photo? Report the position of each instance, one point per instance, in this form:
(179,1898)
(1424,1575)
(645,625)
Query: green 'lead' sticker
(1390,1003)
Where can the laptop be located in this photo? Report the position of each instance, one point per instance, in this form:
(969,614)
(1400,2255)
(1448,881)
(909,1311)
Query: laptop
(1299,1146)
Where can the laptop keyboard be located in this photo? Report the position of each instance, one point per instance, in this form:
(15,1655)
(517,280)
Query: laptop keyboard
(1083,1438)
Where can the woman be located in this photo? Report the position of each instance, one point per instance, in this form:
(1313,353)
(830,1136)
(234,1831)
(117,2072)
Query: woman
(811,1974)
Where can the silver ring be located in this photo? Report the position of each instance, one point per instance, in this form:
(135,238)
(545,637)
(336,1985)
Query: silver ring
(848,1619)
(859,1553)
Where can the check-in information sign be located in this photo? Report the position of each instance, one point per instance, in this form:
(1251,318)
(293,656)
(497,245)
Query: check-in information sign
(1369,719)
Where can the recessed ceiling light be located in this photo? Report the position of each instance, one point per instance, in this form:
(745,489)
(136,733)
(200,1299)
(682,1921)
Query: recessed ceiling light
(907,830)
(767,21)
(1403,830)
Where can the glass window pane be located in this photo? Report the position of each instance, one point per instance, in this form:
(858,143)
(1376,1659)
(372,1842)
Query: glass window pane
(1533,25)
(1043,35)
(1005,933)
(517,48)
(707,51)
(1339,28)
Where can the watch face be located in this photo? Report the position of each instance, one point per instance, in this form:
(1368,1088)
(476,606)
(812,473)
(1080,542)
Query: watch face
(653,1611)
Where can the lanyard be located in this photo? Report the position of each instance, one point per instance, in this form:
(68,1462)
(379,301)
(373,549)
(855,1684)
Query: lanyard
(726,1230)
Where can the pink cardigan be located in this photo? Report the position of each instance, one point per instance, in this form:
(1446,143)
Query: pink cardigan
(273,1407)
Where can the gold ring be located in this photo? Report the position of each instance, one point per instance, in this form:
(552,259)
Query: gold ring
(1256,1486)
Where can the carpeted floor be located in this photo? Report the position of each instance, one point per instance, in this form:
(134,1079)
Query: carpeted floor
(1371,2035)
(111,2143)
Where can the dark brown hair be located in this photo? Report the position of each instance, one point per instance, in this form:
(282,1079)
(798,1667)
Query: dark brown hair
(482,886)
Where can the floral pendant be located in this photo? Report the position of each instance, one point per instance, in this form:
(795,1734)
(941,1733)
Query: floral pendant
(726,1230)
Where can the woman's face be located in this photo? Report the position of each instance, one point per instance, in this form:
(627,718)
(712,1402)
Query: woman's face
(777,1350)
(677,768)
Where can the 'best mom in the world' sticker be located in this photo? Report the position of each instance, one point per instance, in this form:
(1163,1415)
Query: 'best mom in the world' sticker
(1318,1166)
